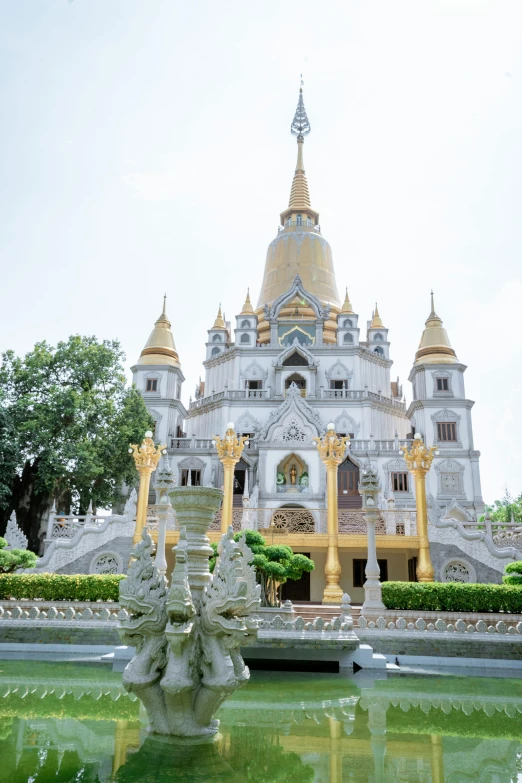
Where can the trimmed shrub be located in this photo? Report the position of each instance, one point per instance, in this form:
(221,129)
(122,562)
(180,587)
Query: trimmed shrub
(452,597)
(61,587)
(513,573)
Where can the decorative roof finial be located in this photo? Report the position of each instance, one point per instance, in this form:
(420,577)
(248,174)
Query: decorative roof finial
(219,323)
(433,314)
(300,126)
(247,307)
(164,304)
(376,319)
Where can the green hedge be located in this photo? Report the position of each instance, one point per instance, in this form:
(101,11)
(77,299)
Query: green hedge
(61,587)
(452,597)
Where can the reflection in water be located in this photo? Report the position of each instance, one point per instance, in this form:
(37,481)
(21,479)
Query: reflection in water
(66,722)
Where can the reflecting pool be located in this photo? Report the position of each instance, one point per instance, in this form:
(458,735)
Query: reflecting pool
(66,722)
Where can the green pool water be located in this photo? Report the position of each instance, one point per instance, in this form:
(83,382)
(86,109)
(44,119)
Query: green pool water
(73,722)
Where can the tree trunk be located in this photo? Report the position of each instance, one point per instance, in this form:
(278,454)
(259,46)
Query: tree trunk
(32,508)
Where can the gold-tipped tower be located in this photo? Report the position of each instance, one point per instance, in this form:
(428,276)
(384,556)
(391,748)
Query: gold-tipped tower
(160,347)
(219,323)
(299,248)
(434,346)
(376,319)
(247,307)
(347,308)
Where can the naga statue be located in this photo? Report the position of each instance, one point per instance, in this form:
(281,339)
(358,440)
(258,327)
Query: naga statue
(188,637)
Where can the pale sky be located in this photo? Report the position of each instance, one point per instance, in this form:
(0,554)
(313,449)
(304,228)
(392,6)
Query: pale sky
(145,147)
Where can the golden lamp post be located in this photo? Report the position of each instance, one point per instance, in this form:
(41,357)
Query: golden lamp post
(146,458)
(418,460)
(332,450)
(229,449)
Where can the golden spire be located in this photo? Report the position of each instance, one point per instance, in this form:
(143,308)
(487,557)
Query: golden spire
(219,322)
(376,319)
(347,306)
(434,346)
(247,307)
(160,347)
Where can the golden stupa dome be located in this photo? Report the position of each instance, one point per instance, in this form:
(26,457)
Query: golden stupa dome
(160,347)
(434,346)
(299,249)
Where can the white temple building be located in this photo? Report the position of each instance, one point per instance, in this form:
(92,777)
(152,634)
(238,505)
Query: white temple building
(303,357)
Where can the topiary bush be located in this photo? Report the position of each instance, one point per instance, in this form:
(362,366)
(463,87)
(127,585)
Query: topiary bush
(452,597)
(61,587)
(513,573)
(12,559)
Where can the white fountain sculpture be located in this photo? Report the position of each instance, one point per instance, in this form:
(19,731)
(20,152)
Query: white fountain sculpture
(187,639)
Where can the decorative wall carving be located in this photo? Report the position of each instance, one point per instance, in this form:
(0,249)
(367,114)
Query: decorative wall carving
(449,477)
(338,372)
(297,289)
(248,423)
(458,571)
(254,372)
(345,423)
(106,563)
(293,406)
(13,535)
(302,350)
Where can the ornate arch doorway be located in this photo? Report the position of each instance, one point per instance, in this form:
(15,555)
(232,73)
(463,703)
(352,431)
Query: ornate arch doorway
(348,485)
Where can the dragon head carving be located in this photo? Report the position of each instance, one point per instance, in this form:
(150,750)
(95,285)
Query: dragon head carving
(233,593)
(180,607)
(143,595)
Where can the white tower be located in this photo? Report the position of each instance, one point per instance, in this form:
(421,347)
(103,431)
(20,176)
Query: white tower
(157,374)
(441,412)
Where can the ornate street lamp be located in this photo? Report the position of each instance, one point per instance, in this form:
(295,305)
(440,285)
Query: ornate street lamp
(229,449)
(332,449)
(418,460)
(369,488)
(146,458)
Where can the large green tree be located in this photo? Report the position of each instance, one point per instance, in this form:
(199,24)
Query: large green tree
(67,417)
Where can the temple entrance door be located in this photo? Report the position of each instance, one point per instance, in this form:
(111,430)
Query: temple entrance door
(239,483)
(347,485)
(297,590)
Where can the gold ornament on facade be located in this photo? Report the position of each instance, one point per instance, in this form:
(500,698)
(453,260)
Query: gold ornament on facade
(231,446)
(331,448)
(147,455)
(419,458)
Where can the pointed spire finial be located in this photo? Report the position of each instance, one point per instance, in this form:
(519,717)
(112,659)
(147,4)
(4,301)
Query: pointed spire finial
(376,319)
(300,126)
(433,314)
(347,306)
(219,323)
(247,307)
(165,303)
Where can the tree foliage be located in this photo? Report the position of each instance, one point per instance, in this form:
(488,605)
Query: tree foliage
(275,564)
(513,573)
(508,507)
(66,420)
(12,559)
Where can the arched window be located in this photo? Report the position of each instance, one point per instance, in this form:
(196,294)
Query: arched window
(309,221)
(347,323)
(378,338)
(245,324)
(245,339)
(216,338)
(215,351)
(378,351)
(299,220)
(348,338)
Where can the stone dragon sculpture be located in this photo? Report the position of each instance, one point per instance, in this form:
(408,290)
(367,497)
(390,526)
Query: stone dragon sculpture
(142,595)
(187,641)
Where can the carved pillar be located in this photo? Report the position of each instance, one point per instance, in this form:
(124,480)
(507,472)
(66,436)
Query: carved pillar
(419,460)
(229,450)
(331,450)
(369,489)
(146,458)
